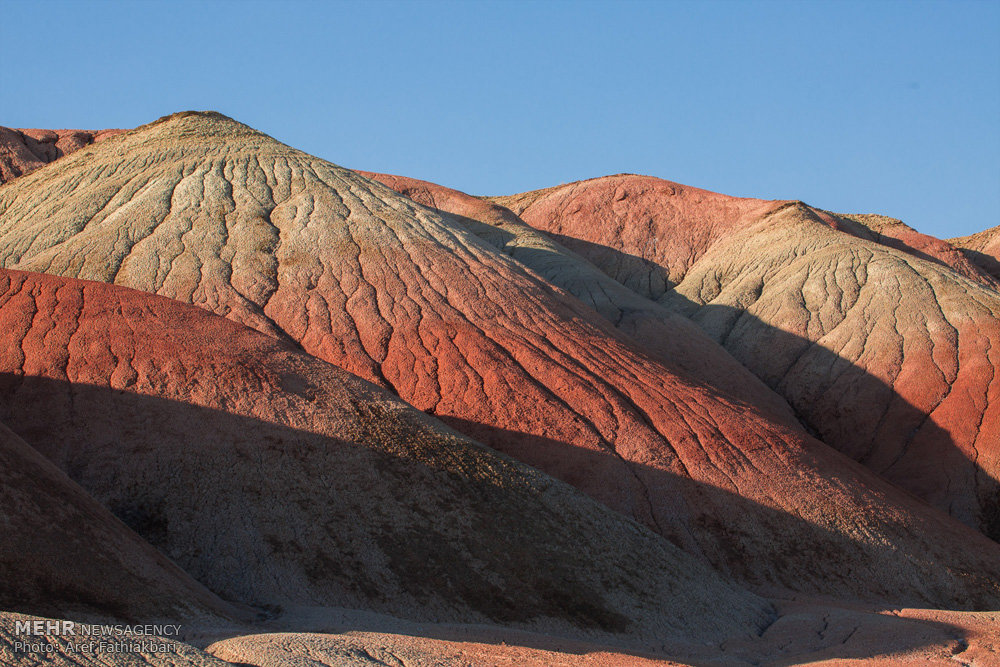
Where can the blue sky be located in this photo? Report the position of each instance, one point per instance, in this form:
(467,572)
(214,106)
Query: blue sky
(888,107)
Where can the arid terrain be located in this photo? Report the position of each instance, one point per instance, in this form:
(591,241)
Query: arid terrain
(319,416)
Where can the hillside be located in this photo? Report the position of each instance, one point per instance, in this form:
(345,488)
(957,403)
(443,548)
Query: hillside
(279,481)
(881,340)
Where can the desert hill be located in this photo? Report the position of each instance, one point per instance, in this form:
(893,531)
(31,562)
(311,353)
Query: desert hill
(279,481)
(896,234)
(329,509)
(885,346)
(23,151)
(671,337)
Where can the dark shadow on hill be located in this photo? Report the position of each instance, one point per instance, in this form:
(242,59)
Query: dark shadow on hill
(517,592)
(986,262)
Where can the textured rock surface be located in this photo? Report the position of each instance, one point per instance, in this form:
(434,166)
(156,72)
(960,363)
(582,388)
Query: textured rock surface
(896,234)
(23,151)
(371,649)
(672,338)
(205,210)
(276,479)
(804,634)
(63,553)
(889,357)
(983,249)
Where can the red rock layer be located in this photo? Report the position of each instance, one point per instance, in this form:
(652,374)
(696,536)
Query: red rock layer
(672,338)
(23,151)
(983,249)
(644,232)
(205,210)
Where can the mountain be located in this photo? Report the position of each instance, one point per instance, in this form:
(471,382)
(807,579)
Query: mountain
(884,342)
(207,211)
(672,338)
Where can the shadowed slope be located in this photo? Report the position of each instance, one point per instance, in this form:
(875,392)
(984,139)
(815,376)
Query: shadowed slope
(890,358)
(62,553)
(673,338)
(983,249)
(23,151)
(883,351)
(205,210)
(277,479)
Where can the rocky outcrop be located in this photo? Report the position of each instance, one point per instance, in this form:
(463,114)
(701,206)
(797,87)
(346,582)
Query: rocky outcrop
(278,480)
(207,211)
(886,352)
(23,151)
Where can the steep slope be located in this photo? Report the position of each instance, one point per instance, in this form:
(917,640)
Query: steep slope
(983,249)
(64,554)
(278,480)
(672,338)
(205,210)
(888,355)
(23,151)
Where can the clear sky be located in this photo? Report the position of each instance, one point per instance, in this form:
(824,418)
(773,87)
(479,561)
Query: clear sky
(888,107)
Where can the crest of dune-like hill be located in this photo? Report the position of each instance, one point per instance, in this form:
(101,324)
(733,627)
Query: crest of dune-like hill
(204,210)
(884,341)
(280,481)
